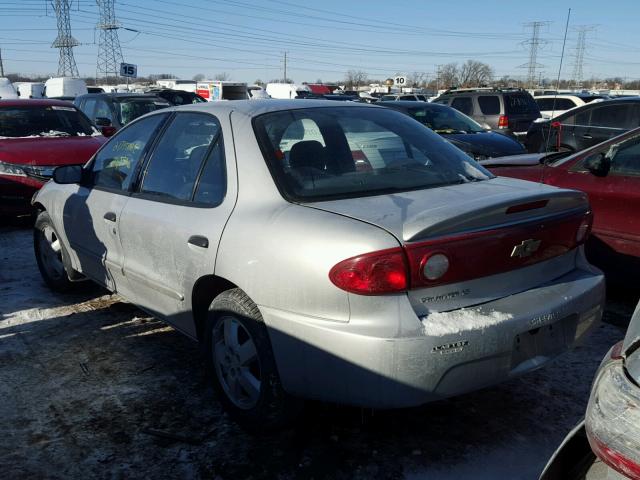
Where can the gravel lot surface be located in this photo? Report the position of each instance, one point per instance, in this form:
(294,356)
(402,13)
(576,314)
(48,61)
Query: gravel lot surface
(91,387)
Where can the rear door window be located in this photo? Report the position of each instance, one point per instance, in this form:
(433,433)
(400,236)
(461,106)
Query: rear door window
(463,104)
(177,160)
(489,104)
(549,104)
(520,104)
(612,116)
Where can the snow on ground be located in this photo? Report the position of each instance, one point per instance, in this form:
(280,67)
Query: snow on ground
(91,387)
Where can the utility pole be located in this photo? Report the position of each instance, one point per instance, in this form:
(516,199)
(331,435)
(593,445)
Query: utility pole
(579,55)
(64,41)
(533,43)
(1,66)
(109,50)
(285,67)
(438,68)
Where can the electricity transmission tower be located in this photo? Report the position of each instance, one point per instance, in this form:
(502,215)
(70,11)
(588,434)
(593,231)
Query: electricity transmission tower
(576,78)
(533,43)
(64,41)
(109,51)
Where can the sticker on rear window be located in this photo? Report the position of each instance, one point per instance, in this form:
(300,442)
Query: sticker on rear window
(67,109)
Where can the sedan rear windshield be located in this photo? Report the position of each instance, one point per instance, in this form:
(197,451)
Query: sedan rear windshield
(520,104)
(131,108)
(341,152)
(43,121)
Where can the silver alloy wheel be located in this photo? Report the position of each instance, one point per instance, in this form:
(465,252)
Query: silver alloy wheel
(236,362)
(51,253)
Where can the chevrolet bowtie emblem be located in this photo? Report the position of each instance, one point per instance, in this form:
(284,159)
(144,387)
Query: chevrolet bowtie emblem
(526,248)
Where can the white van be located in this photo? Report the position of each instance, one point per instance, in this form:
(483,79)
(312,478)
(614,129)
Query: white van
(287,90)
(218,90)
(176,84)
(29,89)
(65,87)
(6,89)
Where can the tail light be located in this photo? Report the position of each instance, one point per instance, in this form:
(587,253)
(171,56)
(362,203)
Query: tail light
(503,121)
(584,229)
(361,161)
(612,419)
(461,257)
(375,273)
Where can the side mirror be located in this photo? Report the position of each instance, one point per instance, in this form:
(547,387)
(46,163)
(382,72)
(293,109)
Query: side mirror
(103,122)
(108,130)
(68,174)
(598,165)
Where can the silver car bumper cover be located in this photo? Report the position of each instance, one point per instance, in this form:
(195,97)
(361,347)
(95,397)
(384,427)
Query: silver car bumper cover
(446,355)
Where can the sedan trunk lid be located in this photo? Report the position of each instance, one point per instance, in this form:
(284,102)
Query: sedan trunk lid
(487,230)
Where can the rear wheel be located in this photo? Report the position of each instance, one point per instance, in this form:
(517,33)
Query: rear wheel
(50,254)
(240,362)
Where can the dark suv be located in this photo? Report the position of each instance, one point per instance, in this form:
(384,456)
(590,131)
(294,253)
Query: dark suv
(509,111)
(584,126)
(118,109)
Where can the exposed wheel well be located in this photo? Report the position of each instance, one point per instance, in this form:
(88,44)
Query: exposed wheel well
(204,291)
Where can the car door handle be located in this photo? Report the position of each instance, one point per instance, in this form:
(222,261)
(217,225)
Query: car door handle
(110,216)
(199,241)
(586,135)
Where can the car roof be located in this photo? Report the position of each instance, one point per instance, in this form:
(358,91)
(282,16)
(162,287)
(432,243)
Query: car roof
(34,103)
(483,91)
(255,107)
(117,95)
(413,104)
(581,96)
(580,108)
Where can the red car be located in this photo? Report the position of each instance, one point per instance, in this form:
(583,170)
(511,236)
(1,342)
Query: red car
(610,174)
(35,137)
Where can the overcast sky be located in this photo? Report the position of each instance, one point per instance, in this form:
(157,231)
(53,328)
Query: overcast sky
(248,38)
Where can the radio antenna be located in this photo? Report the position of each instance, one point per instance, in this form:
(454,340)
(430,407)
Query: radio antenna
(555,95)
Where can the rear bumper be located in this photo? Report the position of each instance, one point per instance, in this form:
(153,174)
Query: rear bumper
(447,354)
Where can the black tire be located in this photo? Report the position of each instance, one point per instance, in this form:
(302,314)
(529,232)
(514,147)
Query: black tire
(274,409)
(57,279)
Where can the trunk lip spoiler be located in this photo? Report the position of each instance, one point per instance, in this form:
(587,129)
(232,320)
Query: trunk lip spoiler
(531,220)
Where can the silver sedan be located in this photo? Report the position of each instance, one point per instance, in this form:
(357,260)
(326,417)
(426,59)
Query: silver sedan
(336,252)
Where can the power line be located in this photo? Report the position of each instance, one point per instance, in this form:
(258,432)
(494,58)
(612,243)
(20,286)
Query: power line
(533,43)
(109,50)
(580,50)
(64,41)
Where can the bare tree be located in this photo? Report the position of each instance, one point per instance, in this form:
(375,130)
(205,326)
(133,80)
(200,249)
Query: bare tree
(474,74)
(355,78)
(198,77)
(222,76)
(257,81)
(417,79)
(448,75)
